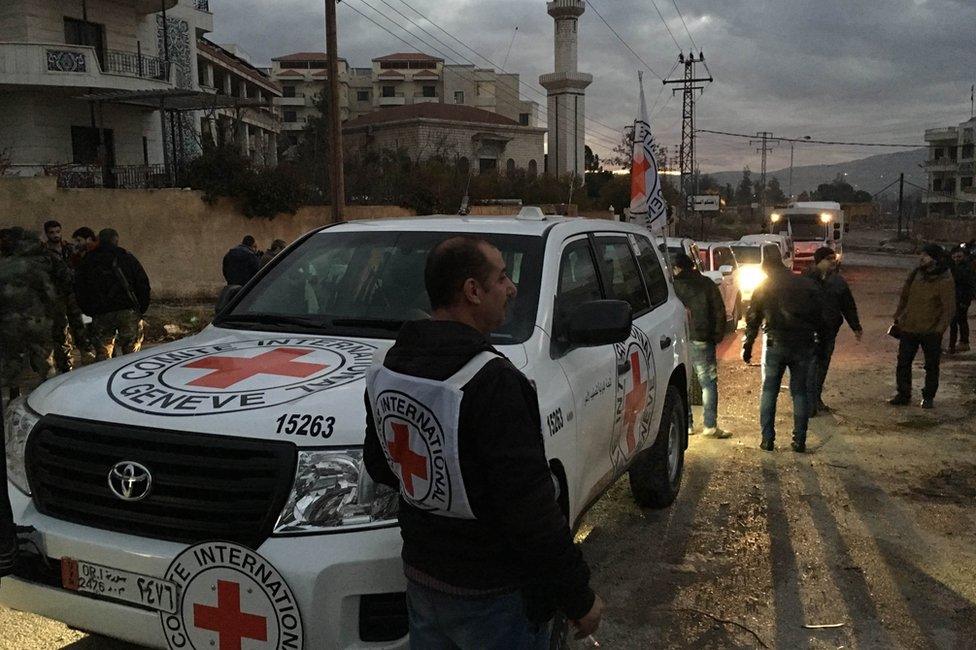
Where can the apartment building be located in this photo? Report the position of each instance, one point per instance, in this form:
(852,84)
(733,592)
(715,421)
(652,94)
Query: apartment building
(951,168)
(110,92)
(394,80)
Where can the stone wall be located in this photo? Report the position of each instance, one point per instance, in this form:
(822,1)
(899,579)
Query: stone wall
(949,231)
(177,236)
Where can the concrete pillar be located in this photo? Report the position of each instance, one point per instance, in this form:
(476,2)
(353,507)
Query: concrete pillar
(567,92)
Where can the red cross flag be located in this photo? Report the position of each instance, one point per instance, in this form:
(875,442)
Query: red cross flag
(646,201)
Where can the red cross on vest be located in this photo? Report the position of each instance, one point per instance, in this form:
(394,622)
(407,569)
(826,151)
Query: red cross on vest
(227,620)
(411,463)
(634,402)
(233,370)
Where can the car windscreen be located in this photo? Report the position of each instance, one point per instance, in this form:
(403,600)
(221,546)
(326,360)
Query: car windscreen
(807,227)
(748,254)
(369,283)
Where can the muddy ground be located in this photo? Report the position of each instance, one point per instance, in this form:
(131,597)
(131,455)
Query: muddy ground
(873,530)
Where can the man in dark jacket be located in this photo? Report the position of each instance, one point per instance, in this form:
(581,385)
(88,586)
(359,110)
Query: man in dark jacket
(455,427)
(241,262)
(925,309)
(839,305)
(706,308)
(791,309)
(965,279)
(113,288)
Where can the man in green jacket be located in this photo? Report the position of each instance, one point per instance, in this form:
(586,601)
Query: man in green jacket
(704,303)
(926,307)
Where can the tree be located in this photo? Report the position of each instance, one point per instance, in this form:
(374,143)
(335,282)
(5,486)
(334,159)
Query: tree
(744,192)
(774,193)
(841,191)
(592,161)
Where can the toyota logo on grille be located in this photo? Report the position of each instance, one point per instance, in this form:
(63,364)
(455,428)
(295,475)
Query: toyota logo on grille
(129,481)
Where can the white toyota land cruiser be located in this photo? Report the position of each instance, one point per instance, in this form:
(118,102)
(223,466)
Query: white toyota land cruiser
(209,493)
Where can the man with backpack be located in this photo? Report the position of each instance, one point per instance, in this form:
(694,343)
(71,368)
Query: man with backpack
(113,288)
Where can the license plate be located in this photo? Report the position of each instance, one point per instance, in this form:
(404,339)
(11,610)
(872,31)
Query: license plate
(106,582)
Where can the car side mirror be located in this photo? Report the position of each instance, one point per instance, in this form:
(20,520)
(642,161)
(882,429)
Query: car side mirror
(600,322)
(726,269)
(227,294)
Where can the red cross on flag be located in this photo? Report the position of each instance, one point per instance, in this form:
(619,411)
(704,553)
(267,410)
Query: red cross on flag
(647,205)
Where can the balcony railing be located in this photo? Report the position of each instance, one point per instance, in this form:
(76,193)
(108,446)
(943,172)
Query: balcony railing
(135,64)
(201,5)
(940,164)
(943,133)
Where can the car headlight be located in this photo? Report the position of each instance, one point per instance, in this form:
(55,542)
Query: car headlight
(751,277)
(332,492)
(18,421)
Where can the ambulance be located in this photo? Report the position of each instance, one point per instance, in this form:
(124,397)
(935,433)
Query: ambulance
(209,493)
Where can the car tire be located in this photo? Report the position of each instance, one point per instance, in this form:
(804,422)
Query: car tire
(655,475)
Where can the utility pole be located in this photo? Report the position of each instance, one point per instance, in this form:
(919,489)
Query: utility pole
(765,139)
(901,201)
(686,153)
(336,176)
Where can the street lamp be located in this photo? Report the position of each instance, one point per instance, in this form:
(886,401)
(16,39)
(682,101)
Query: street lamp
(790,189)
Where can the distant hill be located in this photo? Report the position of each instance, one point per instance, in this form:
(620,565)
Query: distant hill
(870,174)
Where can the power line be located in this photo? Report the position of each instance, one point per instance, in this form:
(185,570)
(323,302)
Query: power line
(687,31)
(621,39)
(604,140)
(612,129)
(661,16)
(805,141)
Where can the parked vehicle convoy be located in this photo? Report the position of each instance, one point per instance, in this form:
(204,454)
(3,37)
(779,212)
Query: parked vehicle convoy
(210,492)
(750,255)
(813,225)
(720,265)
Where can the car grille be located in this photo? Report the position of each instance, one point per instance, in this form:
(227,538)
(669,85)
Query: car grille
(204,487)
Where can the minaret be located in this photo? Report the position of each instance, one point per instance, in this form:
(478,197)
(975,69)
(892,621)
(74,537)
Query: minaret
(567,92)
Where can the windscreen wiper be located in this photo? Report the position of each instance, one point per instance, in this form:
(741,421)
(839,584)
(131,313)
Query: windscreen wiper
(273,320)
(390,324)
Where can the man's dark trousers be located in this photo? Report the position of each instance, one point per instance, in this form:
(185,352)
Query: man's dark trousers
(959,329)
(908,346)
(777,359)
(823,353)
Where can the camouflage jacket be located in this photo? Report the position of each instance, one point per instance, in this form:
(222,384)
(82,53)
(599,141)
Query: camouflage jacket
(33,282)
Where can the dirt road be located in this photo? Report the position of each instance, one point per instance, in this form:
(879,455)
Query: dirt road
(874,529)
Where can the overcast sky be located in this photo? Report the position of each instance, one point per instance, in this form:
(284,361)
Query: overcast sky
(865,70)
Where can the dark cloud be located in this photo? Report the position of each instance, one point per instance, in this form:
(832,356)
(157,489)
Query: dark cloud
(883,70)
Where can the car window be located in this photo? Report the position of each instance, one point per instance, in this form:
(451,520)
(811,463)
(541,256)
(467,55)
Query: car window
(654,277)
(365,283)
(771,251)
(578,281)
(703,254)
(621,276)
(747,254)
(723,257)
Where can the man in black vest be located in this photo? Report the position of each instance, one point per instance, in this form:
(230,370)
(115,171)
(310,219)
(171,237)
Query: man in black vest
(490,561)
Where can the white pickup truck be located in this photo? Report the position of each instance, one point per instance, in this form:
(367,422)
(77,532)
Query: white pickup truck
(210,492)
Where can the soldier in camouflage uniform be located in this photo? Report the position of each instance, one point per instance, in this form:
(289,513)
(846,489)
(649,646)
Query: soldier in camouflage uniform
(113,288)
(31,283)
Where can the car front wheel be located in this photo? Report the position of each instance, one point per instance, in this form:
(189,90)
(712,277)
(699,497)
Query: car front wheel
(655,475)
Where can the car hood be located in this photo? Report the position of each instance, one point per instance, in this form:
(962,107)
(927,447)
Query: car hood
(233,383)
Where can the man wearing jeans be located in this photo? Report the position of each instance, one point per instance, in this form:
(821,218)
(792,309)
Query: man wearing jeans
(789,308)
(704,303)
(926,307)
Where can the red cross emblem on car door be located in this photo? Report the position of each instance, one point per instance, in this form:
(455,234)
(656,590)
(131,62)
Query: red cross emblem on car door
(635,401)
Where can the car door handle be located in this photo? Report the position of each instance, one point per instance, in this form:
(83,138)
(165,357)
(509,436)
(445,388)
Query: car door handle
(623,367)
(666,342)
